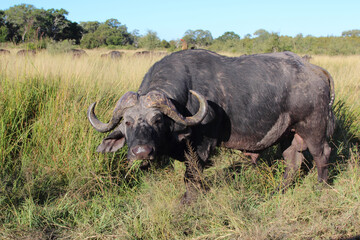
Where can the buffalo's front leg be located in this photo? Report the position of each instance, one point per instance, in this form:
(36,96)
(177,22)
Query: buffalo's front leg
(193,180)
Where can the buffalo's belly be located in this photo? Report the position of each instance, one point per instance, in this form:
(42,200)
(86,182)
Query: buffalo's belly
(258,139)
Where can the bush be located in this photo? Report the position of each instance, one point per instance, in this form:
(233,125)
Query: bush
(41,44)
(54,47)
(150,41)
(4,31)
(90,41)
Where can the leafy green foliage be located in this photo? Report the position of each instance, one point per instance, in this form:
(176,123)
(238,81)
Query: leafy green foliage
(4,32)
(273,42)
(22,17)
(111,32)
(228,36)
(150,41)
(165,44)
(199,37)
(90,27)
(25,23)
(64,46)
(351,33)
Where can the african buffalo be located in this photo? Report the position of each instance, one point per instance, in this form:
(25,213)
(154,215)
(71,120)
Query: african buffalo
(24,52)
(142,53)
(248,103)
(4,51)
(77,53)
(112,54)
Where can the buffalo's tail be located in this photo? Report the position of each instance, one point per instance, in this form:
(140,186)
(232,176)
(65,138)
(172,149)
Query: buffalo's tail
(331,117)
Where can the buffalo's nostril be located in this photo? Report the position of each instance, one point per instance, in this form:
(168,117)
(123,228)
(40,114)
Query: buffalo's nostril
(142,151)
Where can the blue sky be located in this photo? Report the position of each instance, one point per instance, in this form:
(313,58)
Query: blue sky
(170,19)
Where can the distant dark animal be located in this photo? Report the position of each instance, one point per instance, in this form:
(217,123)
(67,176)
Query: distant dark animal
(112,55)
(77,53)
(142,53)
(150,53)
(115,54)
(248,103)
(24,52)
(4,51)
(307,58)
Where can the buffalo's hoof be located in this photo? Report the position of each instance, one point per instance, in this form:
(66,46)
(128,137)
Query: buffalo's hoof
(188,198)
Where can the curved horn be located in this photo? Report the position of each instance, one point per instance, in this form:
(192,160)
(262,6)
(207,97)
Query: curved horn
(159,100)
(129,99)
(201,113)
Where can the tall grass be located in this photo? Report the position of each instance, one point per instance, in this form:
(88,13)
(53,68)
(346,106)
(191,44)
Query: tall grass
(347,79)
(53,184)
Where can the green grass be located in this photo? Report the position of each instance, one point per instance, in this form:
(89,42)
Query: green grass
(53,185)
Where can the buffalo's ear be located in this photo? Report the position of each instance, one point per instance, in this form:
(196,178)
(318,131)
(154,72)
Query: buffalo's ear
(112,143)
(181,132)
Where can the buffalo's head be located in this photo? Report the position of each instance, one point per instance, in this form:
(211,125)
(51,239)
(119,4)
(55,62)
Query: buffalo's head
(144,123)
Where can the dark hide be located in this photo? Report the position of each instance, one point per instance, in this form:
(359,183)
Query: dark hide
(254,101)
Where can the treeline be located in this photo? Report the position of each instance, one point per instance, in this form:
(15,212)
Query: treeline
(273,42)
(38,28)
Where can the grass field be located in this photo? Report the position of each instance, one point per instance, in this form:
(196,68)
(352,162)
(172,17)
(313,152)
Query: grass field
(53,185)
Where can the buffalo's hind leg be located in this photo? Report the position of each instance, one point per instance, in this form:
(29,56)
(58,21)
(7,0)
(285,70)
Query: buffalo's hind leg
(293,158)
(314,130)
(320,150)
(314,135)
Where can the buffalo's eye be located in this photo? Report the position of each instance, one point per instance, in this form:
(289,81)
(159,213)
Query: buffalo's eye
(156,120)
(129,123)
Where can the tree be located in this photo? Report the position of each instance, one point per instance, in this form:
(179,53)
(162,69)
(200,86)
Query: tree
(135,36)
(247,44)
(247,36)
(165,44)
(90,27)
(2,18)
(229,41)
(58,24)
(111,32)
(4,31)
(198,37)
(173,45)
(116,32)
(29,23)
(150,40)
(73,31)
(90,41)
(22,18)
(262,34)
(351,33)
(228,36)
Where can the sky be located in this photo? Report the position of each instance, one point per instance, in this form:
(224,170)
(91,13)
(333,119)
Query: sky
(170,19)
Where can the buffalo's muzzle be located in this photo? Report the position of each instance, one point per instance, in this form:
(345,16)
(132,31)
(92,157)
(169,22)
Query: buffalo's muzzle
(142,152)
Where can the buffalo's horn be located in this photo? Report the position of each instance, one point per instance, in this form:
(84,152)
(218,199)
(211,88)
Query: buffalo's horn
(129,99)
(159,100)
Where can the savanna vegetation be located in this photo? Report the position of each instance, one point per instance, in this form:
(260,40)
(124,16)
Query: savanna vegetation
(53,185)
(28,27)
